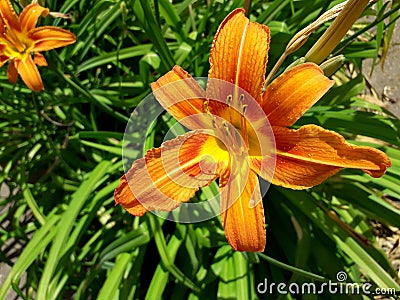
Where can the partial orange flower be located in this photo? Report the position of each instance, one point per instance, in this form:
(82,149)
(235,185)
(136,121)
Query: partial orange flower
(19,39)
(228,139)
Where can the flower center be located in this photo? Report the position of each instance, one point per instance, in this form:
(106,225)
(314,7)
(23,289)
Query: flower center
(232,128)
(17,45)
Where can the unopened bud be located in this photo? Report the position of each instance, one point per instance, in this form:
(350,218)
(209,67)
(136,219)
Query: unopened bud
(332,65)
(297,62)
(60,15)
(334,34)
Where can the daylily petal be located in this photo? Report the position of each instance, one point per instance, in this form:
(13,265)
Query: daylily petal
(39,59)
(3,25)
(239,53)
(170,175)
(291,94)
(243,213)
(50,37)
(308,156)
(30,74)
(262,150)
(12,72)
(29,16)
(9,15)
(182,97)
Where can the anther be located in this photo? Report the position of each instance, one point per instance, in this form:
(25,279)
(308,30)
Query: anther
(243,120)
(241,98)
(205,107)
(226,127)
(214,123)
(229,100)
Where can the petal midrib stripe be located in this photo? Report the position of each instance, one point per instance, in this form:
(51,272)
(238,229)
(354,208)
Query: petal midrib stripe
(330,163)
(240,54)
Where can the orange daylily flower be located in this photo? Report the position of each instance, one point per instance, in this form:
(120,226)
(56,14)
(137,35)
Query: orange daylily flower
(19,38)
(170,175)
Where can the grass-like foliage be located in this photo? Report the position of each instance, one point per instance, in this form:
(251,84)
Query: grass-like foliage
(60,156)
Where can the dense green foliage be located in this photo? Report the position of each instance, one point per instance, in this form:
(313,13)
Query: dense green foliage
(60,154)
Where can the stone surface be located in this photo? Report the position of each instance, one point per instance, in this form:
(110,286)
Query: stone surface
(11,247)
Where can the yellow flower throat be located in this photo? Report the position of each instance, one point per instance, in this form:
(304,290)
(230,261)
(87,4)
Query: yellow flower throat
(232,124)
(17,45)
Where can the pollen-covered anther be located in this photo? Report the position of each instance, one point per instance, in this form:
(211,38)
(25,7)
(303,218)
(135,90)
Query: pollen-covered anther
(226,130)
(205,107)
(241,99)
(214,123)
(228,100)
(207,111)
(244,121)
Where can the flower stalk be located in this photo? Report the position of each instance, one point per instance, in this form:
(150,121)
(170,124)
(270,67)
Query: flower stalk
(300,38)
(334,34)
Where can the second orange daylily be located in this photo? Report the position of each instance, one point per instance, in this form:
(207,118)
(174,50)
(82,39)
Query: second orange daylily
(304,157)
(19,38)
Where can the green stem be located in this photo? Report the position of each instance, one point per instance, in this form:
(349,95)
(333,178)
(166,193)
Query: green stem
(166,261)
(291,268)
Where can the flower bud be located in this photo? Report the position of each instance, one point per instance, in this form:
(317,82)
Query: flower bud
(339,27)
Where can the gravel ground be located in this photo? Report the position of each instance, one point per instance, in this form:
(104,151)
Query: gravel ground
(386,82)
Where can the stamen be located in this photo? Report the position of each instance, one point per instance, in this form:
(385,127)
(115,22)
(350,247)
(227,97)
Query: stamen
(10,36)
(241,98)
(229,100)
(243,120)
(228,105)
(227,130)
(239,139)
(205,107)
(214,123)
(207,111)
(234,137)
